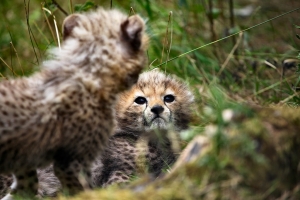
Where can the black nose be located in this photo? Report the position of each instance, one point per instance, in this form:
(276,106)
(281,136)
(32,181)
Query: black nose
(157,109)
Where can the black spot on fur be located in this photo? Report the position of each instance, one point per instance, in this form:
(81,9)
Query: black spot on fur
(3,92)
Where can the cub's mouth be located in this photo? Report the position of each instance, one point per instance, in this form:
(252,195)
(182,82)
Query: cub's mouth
(158,123)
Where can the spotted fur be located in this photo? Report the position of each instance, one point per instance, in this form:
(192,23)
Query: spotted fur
(64,114)
(134,138)
(155,113)
(5,183)
(148,122)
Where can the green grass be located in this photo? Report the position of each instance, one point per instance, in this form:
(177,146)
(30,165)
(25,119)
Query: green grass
(175,28)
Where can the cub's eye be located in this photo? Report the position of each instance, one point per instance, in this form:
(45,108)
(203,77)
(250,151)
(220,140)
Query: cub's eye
(169,98)
(140,100)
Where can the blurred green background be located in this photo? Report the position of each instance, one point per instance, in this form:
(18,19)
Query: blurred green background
(261,69)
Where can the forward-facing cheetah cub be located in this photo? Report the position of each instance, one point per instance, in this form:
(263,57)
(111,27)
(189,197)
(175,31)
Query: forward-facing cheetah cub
(156,103)
(64,114)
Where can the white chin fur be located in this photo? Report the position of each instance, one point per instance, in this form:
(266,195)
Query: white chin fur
(158,123)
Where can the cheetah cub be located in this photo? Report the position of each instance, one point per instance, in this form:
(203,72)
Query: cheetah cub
(64,114)
(136,119)
(156,103)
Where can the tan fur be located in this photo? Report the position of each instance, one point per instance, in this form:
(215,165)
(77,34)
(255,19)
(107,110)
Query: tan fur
(143,123)
(154,86)
(64,114)
(120,161)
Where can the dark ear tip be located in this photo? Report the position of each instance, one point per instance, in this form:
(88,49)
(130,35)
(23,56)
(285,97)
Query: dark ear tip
(124,25)
(132,31)
(68,25)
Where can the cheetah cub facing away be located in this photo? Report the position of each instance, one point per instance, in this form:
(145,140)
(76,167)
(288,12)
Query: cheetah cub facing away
(64,114)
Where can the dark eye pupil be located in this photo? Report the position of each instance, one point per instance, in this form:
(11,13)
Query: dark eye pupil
(169,98)
(140,100)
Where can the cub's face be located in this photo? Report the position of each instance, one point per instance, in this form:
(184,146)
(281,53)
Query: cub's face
(157,101)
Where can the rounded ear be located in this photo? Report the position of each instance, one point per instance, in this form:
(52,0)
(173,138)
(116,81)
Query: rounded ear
(69,24)
(131,31)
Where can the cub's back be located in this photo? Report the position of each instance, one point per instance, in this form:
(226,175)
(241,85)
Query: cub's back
(64,113)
